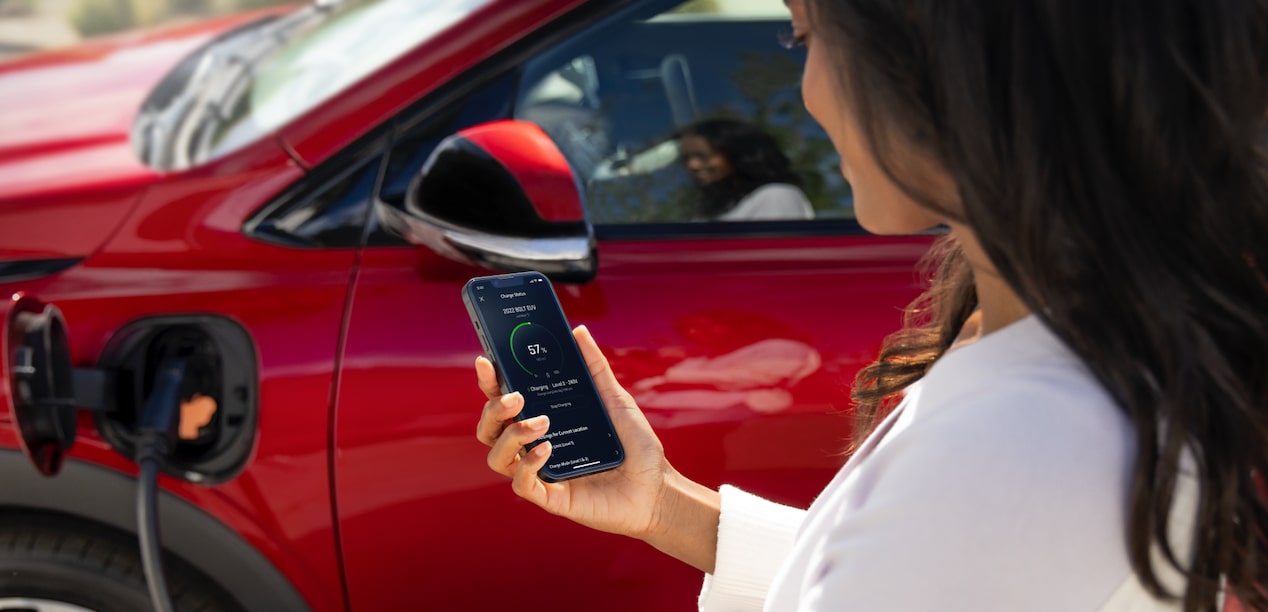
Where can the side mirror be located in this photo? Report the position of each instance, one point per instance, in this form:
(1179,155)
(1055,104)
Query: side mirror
(501,195)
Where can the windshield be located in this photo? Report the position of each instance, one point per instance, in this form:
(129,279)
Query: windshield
(251,83)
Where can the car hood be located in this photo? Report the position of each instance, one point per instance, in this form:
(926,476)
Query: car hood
(65,122)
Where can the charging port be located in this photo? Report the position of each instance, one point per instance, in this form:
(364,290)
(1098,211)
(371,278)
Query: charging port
(220,371)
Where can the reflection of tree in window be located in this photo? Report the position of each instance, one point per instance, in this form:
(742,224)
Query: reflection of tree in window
(656,197)
(769,85)
(758,87)
(698,6)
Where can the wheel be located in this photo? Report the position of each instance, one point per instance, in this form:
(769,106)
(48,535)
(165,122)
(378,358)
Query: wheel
(56,564)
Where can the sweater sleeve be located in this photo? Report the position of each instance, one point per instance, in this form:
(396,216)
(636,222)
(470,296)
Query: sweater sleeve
(754,537)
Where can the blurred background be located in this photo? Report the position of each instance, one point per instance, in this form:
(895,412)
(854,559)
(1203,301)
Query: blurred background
(32,25)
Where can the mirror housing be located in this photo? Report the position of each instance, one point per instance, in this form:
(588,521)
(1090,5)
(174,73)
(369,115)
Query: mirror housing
(501,195)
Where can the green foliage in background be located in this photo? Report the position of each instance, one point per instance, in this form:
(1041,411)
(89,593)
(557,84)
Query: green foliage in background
(190,7)
(770,85)
(254,4)
(93,17)
(697,6)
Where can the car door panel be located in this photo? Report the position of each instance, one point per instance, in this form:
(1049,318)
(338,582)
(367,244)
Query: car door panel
(740,341)
(741,350)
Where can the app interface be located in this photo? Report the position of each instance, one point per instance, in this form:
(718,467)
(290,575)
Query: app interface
(534,349)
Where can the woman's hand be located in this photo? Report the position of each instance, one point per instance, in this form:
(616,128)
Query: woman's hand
(624,500)
(643,498)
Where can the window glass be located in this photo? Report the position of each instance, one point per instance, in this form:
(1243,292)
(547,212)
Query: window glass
(323,52)
(676,112)
(416,142)
(418,137)
(331,216)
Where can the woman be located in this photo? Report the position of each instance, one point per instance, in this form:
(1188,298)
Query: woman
(1082,421)
(741,173)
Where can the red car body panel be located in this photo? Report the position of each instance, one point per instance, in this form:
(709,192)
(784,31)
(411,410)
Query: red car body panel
(681,365)
(366,488)
(65,126)
(183,251)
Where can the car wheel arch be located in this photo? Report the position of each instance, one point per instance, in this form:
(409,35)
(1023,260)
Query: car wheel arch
(95,494)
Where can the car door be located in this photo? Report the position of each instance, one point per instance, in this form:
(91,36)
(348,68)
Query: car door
(739,339)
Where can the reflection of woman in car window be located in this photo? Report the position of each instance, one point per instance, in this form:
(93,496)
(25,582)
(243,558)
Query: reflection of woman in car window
(742,174)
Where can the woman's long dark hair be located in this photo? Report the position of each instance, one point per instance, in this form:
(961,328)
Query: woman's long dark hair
(931,325)
(1110,157)
(753,154)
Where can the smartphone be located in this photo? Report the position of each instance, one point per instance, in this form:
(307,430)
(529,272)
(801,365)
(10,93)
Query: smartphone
(527,337)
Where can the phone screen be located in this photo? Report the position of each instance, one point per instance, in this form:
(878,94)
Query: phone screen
(525,333)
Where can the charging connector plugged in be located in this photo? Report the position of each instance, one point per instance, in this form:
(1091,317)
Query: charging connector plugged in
(158,433)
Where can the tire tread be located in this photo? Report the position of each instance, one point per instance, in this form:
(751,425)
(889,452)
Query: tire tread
(79,548)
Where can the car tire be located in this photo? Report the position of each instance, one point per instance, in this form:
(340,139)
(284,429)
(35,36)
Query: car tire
(48,562)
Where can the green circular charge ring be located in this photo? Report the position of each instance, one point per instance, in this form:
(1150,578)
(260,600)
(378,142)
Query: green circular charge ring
(511,341)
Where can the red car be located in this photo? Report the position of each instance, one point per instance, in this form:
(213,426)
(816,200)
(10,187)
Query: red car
(246,192)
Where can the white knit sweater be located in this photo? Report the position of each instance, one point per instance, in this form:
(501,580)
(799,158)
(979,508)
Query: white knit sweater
(1000,483)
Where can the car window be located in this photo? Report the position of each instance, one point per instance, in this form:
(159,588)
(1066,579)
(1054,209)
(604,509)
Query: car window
(417,139)
(332,214)
(249,82)
(418,136)
(687,112)
(358,38)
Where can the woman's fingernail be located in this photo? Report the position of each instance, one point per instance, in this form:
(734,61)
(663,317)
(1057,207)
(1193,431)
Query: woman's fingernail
(510,400)
(541,450)
(538,423)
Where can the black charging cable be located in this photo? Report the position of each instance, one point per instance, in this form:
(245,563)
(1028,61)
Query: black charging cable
(158,431)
